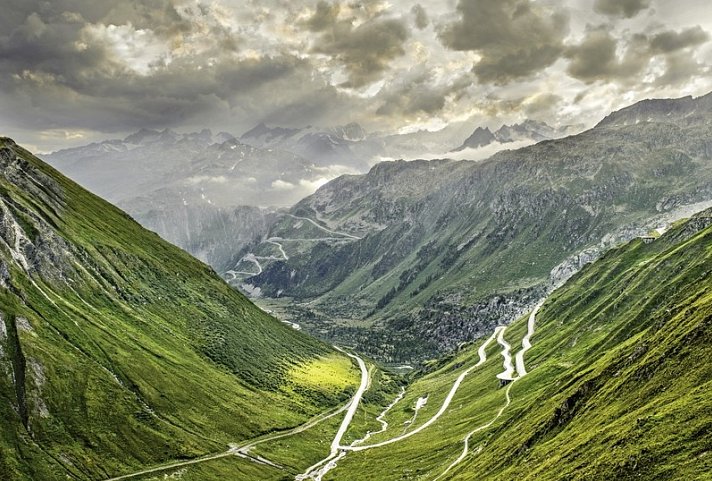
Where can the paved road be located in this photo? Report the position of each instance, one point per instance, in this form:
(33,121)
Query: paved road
(250,257)
(318,470)
(381,419)
(285,257)
(344,234)
(508,373)
(466,449)
(172,466)
(521,370)
(446,403)
(236,450)
(526,341)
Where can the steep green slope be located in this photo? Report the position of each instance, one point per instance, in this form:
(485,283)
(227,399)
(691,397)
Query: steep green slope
(448,249)
(118,350)
(617,388)
(636,329)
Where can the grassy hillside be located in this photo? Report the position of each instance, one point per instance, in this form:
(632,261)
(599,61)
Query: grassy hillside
(631,337)
(618,381)
(118,350)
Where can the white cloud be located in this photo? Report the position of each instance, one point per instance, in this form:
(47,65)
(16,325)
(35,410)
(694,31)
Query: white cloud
(312,185)
(204,179)
(282,185)
(137,49)
(227,64)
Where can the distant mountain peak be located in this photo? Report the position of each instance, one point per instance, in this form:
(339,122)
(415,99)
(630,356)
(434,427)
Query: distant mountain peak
(480,137)
(352,132)
(528,129)
(223,137)
(141,135)
(268,134)
(339,145)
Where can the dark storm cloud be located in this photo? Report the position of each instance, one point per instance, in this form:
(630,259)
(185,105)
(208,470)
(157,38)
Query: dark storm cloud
(365,50)
(169,96)
(680,68)
(159,15)
(49,57)
(324,17)
(671,41)
(417,93)
(676,48)
(421,16)
(621,8)
(541,104)
(89,67)
(515,38)
(50,49)
(597,57)
(52,40)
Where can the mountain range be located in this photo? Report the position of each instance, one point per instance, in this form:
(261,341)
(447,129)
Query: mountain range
(528,131)
(185,186)
(212,194)
(414,258)
(614,385)
(344,145)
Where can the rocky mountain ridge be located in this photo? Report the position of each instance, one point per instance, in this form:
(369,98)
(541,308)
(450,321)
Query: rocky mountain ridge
(528,130)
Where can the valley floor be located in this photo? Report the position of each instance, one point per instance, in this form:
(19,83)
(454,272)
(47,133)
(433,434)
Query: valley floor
(264,452)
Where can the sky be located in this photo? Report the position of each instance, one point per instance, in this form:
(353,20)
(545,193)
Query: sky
(76,71)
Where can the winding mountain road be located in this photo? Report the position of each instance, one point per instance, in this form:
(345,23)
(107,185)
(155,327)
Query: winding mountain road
(176,465)
(338,451)
(255,259)
(521,371)
(317,471)
(237,450)
(446,403)
(381,419)
(248,258)
(508,373)
(319,226)
(466,449)
(526,341)
(272,240)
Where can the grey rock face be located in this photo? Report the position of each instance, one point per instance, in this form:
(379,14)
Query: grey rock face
(479,138)
(27,237)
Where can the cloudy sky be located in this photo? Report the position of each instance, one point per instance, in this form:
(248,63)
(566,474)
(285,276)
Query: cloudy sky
(74,71)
